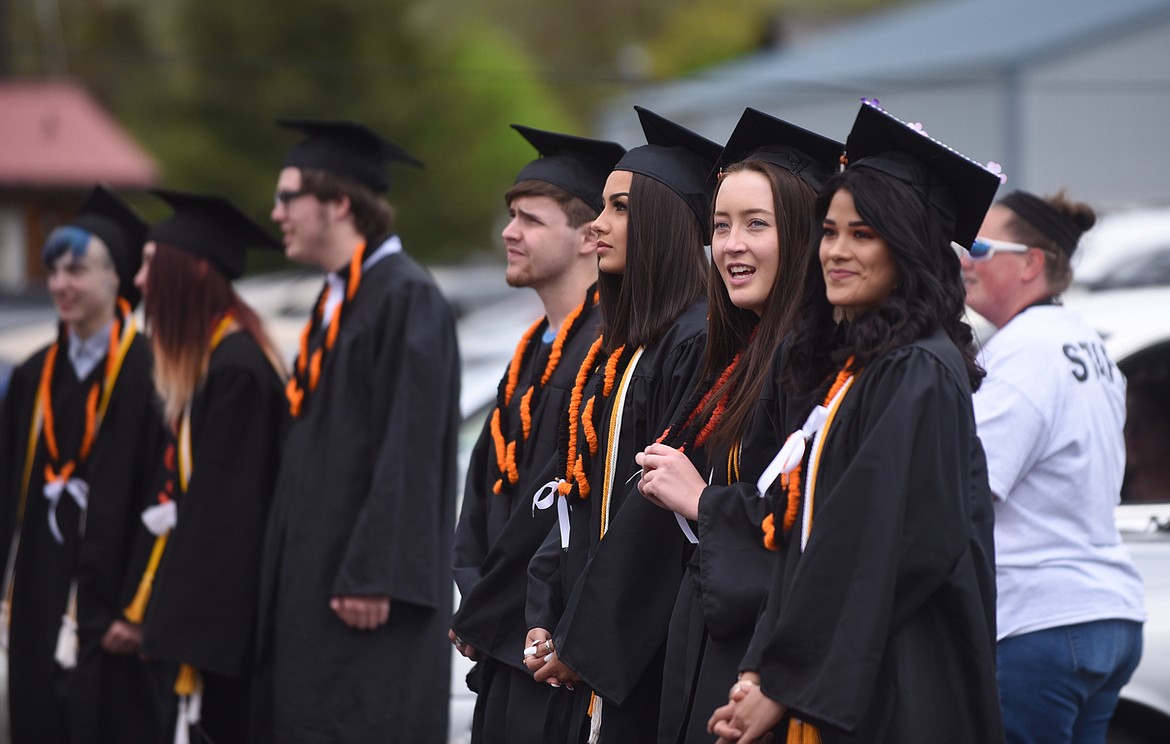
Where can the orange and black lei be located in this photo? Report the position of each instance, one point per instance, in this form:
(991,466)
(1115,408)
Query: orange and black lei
(508,454)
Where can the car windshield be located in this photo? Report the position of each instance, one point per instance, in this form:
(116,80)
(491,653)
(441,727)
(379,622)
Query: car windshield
(1147,425)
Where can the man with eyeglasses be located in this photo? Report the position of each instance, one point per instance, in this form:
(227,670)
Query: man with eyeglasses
(356,587)
(80,437)
(1050,415)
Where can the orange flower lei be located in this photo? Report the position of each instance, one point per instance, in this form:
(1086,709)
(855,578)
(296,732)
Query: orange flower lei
(307,370)
(791,481)
(507,453)
(583,413)
(716,415)
(574,468)
(65,471)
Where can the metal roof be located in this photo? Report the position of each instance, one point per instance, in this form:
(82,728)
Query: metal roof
(915,44)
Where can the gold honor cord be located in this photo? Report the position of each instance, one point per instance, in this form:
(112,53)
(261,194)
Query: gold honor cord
(615,428)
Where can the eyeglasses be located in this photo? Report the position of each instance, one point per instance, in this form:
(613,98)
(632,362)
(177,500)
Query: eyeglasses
(284,198)
(984,248)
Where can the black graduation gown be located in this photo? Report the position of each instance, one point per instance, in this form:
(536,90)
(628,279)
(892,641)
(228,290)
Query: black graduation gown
(495,539)
(725,583)
(105,698)
(202,610)
(883,629)
(365,505)
(613,629)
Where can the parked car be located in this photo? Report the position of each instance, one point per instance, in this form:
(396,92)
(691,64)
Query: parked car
(1135,324)
(1126,249)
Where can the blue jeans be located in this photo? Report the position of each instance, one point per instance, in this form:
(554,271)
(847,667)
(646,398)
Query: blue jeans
(1060,685)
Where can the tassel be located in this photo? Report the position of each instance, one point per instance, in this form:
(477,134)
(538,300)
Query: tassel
(136,610)
(5,619)
(188,680)
(67,644)
(189,688)
(800,732)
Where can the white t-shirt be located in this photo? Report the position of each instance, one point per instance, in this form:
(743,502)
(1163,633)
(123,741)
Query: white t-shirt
(1050,415)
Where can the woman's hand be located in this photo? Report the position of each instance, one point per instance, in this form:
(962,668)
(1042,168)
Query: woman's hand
(540,658)
(122,637)
(670,480)
(749,716)
(464,647)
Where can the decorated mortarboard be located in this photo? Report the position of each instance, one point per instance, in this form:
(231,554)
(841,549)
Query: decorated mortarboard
(576,164)
(806,154)
(123,231)
(345,148)
(957,186)
(677,157)
(211,227)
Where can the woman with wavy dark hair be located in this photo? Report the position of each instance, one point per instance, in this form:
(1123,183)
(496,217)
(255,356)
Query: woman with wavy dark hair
(880,622)
(607,596)
(221,384)
(761,239)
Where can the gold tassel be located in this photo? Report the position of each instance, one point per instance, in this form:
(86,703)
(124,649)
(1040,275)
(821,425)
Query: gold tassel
(188,680)
(800,732)
(136,610)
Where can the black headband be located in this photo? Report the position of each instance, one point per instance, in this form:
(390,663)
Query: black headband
(1046,218)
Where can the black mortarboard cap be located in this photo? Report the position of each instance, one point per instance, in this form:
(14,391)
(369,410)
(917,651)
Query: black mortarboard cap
(806,154)
(677,157)
(957,186)
(576,164)
(346,148)
(121,229)
(211,227)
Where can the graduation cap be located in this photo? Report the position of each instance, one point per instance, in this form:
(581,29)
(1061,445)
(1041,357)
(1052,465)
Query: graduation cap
(122,230)
(677,157)
(958,187)
(576,164)
(346,148)
(211,227)
(806,154)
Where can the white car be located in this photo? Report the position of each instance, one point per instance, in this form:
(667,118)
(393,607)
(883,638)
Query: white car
(1129,248)
(1135,324)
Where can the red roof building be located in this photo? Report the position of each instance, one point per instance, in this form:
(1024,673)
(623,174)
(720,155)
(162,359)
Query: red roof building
(56,142)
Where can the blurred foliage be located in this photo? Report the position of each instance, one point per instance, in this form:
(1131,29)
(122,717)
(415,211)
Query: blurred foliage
(199,82)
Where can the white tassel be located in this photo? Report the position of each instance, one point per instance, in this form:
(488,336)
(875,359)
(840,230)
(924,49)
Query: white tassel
(182,728)
(595,722)
(160,518)
(67,644)
(5,618)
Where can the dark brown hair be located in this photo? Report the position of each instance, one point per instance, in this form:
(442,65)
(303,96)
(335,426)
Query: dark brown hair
(929,293)
(373,216)
(664,271)
(729,327)
(577,212)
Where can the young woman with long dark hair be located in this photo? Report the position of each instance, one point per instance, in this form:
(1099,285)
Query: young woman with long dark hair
(221,384)
(880,621)
(761,239)
(608,597)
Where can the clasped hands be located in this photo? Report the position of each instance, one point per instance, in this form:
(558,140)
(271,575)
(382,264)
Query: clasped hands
(749,715)
(540,658)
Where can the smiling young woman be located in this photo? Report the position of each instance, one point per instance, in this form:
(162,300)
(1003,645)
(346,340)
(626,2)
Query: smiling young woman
(879,624)
(761,241)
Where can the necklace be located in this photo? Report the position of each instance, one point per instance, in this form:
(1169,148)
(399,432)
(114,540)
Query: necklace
(508,453)
(307,370)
